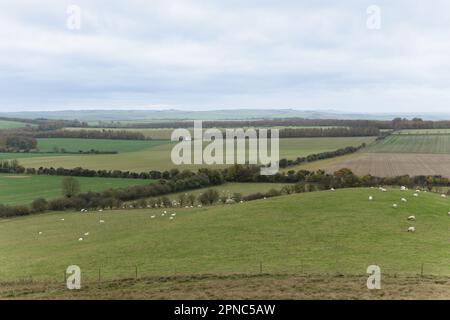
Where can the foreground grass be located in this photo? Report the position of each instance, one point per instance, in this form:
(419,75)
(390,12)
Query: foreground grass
(23,189)
(238,286)
(158,157)
(321,232)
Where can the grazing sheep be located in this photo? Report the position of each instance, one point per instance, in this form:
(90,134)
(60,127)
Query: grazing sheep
(394,205)
(62,219)
(165,211)
(411,229)
(199,206)
(86,233)
(153,217)
(417,190)
(101,210)
(412,218)
(415,194)
(162,215)
(173,214)
(403,188)
(80,239)
(102,221)
(171,218)
(332,189)
(443,196)
(449,213)
(370,198)
(40,232)
(403,200)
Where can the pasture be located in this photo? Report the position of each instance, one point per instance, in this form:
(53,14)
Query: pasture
(314,233)
(6,124)
(157,157)
(75,145)
(228,189)
(405,143)
(23,189)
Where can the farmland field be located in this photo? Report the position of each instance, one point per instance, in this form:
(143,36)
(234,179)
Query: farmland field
(413,144)
(23,189)
(389,164)
(75,145)
(157,157)
(4,124)
(319,232)
(422,131)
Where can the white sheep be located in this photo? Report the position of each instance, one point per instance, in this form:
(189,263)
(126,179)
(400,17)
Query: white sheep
(403,200)
(394,205)
(449,213)
(171,218)
(80,239)
(165,211)
(411,229)
(403,188)
(417,190)
(412,218)
(62,219)
(173,214)
(102,221)
(86,233)
(415,194)
(40,232)
(443,196)
(101,210)
(370,198)
(332,189)
(153,217)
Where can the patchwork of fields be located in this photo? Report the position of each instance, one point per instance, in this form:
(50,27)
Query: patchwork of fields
(155,155)
(22,189)
(6,125)
(319,232)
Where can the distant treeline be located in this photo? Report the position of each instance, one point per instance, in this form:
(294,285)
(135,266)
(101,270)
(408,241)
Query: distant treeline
(14,143)
(90,134)
(302,181)
(397,123)
(329,132)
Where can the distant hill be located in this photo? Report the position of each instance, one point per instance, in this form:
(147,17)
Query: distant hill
(229,114)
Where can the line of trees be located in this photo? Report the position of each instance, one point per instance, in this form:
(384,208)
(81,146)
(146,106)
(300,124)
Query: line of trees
(302,181)
(329,132)
(284,163)
(17,143)
(91,134)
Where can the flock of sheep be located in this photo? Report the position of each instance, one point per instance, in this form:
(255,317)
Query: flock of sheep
(416,194)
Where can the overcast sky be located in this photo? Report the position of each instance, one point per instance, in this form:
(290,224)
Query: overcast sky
(201,55)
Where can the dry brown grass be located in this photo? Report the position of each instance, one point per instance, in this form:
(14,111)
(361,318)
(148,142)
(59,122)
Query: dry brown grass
(264,286)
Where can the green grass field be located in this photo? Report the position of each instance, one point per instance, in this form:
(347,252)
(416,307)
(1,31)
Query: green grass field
(4,124)
(75,145)
(229,188)
(157,157)
(23,189)
(434,144)
(320,232)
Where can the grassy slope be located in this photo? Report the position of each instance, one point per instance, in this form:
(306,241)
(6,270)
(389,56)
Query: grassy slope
(435,144)
(21,189)
(323,232)
(229,188)
(158,157)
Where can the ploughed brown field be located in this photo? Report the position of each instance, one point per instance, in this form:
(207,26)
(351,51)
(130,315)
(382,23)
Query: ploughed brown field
(393,164)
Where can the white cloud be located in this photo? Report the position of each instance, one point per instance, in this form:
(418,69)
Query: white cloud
(187,53)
